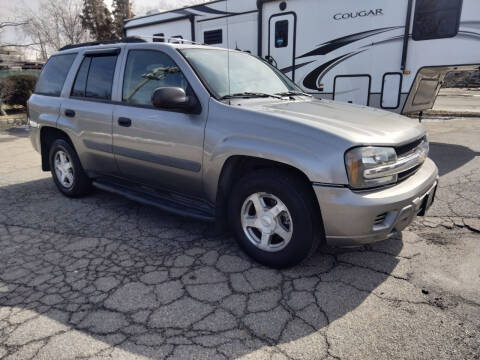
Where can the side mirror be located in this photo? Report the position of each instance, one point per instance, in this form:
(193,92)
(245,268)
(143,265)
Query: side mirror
(174,98)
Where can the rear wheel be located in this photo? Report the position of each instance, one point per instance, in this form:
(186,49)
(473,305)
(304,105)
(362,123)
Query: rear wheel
(273,217)
(67,172)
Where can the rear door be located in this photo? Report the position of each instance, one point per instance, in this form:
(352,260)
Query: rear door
(87,113)
(45,102)
(281,42)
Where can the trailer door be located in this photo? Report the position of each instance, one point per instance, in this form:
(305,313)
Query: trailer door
(281,42)
(354,89)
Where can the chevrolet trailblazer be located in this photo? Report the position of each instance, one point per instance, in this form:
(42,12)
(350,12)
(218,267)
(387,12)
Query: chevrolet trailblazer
(222,135)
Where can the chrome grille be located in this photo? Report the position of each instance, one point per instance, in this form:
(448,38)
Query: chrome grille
(404,150)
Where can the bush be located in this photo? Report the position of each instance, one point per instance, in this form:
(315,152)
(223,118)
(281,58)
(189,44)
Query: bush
(16,89)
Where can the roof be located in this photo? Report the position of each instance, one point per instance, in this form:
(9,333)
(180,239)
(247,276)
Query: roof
(131,39)
(134,41)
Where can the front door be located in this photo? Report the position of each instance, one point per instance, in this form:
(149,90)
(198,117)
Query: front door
(281,43)
(158,148)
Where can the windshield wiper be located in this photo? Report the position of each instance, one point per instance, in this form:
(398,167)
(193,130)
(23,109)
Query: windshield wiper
(292,93)
(248,94)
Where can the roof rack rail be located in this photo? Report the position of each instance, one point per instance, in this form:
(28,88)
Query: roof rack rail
(130,39)
(170,39)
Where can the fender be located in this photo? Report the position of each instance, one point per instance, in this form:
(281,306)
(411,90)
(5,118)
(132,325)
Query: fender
(315,167)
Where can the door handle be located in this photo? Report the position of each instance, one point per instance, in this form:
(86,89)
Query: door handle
(69,113)
(123,121)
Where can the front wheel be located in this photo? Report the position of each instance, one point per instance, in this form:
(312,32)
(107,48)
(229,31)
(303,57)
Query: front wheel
(67,172)
(273,217)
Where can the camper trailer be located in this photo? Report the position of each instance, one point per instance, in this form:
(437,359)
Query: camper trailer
(390,54)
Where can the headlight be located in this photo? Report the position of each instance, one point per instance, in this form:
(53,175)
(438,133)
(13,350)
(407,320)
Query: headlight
(361,163)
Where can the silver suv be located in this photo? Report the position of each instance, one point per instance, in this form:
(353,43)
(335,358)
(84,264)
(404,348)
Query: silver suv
(222,135)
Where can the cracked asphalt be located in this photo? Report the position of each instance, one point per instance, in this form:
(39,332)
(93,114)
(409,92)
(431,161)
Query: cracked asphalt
(105,278)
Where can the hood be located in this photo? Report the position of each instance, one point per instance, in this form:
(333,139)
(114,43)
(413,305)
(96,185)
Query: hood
(360,125)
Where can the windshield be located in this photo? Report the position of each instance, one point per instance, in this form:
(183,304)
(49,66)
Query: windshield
(248,74)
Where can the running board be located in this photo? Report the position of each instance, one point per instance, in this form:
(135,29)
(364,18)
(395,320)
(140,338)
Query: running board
(170,202)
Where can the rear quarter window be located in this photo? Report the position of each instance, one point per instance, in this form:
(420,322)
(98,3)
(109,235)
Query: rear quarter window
(53,75)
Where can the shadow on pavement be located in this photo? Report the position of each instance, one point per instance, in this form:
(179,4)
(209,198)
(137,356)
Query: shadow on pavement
(450,157)
(18,131)
(154,284)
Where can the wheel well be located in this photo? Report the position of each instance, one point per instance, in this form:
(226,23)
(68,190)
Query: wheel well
(47,136)
(237,166)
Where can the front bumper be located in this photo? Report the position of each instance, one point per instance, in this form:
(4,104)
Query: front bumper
(355,218)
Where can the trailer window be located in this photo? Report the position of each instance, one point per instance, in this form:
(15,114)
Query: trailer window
(281,33)
(213,37)
(160,38)
(436,19)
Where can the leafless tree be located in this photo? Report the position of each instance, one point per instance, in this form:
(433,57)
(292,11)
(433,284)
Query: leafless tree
(53,25)
(8,24)
(5,24)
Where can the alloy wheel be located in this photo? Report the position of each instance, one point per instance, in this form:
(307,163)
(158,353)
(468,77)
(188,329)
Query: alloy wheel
(64,169)
(266,221)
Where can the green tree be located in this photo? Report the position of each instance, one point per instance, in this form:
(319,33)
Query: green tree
(122,9)
(98,20)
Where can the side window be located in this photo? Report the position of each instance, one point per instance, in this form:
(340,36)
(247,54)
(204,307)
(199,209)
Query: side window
(281,33)
(436,19)
(213,37)
(54,74)
(147,70)
(160,37)
(80,83)
(100,77)
(95,77)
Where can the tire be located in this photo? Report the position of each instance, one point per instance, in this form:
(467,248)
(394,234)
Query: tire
(299,221)
(78,183)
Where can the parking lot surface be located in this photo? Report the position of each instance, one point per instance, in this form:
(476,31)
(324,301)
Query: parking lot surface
(105,278)
(464,101)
